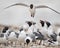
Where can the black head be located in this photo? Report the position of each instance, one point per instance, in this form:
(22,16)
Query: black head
(27,41)
(5,29)
(59,34)
(21,29)
(29,23)
(31,6)
(48,24)
(42,23)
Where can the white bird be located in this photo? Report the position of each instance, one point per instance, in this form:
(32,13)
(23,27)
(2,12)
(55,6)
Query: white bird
(12,38)
(58,31)
(43,28)
(44,31)
(58,36)
(32,27)
(58,39)
(28,40)
(3,39)
(50,29)
(21,37)
(46,28)
(32,8)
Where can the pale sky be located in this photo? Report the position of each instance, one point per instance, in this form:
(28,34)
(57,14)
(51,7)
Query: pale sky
(17,15)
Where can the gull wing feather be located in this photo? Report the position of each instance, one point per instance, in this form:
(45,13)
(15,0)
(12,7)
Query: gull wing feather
(22,4)
(44,6)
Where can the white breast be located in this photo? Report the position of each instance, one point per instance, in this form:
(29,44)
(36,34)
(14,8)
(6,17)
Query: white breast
(3,39)
(21,36)
(12,36)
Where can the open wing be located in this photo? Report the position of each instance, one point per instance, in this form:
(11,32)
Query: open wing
(17,4)
(43,6)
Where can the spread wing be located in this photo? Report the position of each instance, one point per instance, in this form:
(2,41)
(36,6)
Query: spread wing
(17,4)
(43,6)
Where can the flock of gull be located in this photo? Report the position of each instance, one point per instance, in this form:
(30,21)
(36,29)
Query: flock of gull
(31,32)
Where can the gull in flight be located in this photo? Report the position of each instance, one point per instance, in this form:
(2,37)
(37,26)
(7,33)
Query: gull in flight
(32,8)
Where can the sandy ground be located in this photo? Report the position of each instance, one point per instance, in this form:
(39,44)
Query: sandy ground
(34,46)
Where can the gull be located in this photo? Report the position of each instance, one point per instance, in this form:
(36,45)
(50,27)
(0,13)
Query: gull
(32,27)
(22,34)
(21,37)
(50,29)
(58,36)
(43,28)
(39,36)
(28,40)
(32,8)
(3,39)
(30,23)
(12,38)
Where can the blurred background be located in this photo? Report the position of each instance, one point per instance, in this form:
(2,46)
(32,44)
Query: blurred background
(17,15)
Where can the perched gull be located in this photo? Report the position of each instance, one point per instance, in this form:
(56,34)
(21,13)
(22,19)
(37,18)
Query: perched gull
(29,23)
(32,25)
(21,37)
(22,34)
(12,37)
(50,29)
(39,36)
(32,8)
(51,34)
(3,39)
(46,30)
(28,40)
(58,36)
(43,28)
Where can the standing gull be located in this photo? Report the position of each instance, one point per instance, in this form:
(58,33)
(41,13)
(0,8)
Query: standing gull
(32,8)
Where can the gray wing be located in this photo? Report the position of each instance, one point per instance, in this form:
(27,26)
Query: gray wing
(16,5)
(43,6)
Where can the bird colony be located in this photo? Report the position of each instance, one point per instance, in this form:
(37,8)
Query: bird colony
(31,34)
